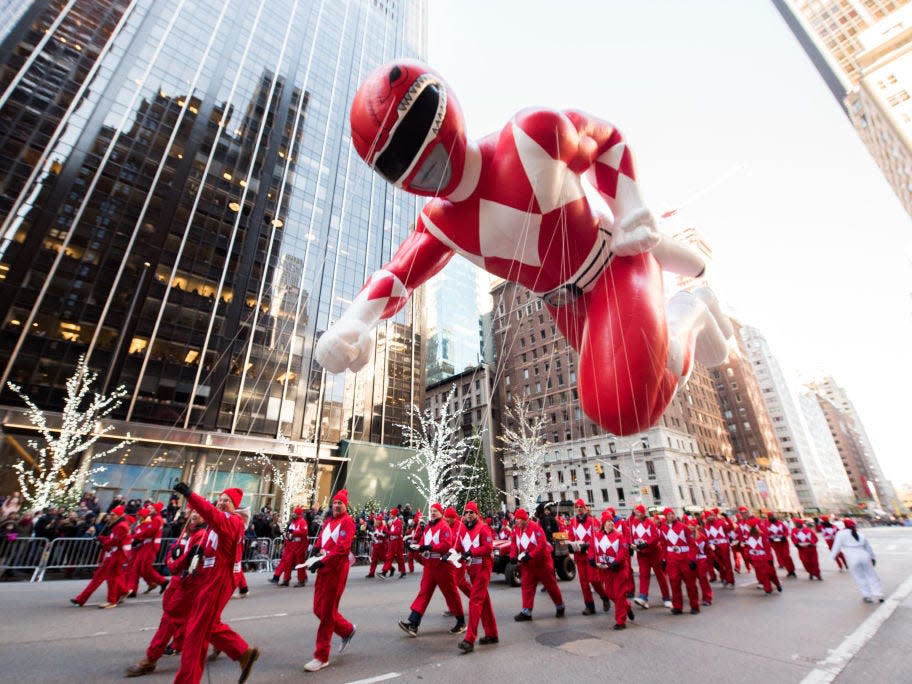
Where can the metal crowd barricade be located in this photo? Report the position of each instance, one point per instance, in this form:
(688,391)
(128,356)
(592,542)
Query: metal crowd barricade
(276,549)
(258,554)
(25,553)
(362,548)
(162,554)
(69,553)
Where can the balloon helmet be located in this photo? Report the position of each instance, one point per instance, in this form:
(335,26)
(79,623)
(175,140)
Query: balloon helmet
(408,126)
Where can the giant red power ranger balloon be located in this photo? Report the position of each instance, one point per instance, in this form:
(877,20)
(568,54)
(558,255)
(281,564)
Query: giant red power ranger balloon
(513,203)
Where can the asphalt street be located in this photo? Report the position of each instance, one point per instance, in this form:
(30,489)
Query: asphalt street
(813,631)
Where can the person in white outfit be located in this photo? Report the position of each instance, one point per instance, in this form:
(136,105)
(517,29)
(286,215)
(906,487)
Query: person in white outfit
(860,557)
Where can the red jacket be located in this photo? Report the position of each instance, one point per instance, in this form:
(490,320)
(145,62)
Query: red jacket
(804,537)
(531,540)
(223,545)
(778,531)
(644,535)
(296,532)
(717,534)
(582,530)
(188,539)
(394,528)
(116,543)
(438,536)
(678,542)
(758,548)
(608,547)
(478,542)
(336,539)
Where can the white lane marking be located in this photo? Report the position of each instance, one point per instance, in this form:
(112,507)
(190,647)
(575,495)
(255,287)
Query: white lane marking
(258,617)
(100,634)
(378,678)
(827,670)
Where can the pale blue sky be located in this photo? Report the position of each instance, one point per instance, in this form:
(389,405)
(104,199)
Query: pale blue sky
(810,244)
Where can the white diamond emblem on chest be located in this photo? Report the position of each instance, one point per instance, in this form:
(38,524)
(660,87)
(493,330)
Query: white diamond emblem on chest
(674,538)
(581,532)
(524,540)
(329,532)
(639,530)
(468,542)
(432,537)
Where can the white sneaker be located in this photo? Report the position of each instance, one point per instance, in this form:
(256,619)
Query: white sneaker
(315,665)
(667,604)
(642,603)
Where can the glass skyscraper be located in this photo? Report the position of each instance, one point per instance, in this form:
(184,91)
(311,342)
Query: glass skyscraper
(182,206)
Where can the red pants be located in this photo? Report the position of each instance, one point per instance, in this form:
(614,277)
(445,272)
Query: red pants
(438,573)
(738,555)
(589,578)
(783,555)
(176,605)
(480,608)
(810,561)
(378,555)
(647,562)
(531,572)
(394,552)
(679,571)
(204,625)
(608,326)
(327,593)
(704,568)
(109,571)
(615,588)
(293,554)
(840,559)
(240,580)
(765,570)
(142,565)
(722,556)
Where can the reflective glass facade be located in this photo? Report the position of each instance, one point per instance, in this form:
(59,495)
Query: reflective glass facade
(181,204)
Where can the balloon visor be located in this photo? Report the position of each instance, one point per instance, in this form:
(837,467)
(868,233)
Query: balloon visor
(420,115)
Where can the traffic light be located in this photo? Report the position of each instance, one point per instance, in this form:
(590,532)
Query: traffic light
(598,468)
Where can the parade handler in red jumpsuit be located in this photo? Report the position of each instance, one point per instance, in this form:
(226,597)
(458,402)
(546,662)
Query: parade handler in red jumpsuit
(436,542)
(580,536)
(646,539)
(475,541)
(222,549)
(680,563)
(514,203)
(758,549)
(331,550)
(379,544)
(295,552)
(805,540)
(395,533)
(181,593)
(778,532)
(530,549)
(115,553)
(142,563)
(608,556)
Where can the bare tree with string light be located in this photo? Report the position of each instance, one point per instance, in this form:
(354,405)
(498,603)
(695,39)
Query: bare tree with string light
(66,458)
(297,482)
(438,468)
(525,443)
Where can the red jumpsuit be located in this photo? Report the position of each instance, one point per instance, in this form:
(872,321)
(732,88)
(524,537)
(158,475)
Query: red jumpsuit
(704,566)
(414,537)
(680,551)
(144,553)
(717,535)
(580,530)
(222,550)
(740,532)
(379,546)
(609,549)
(805,540)
(394,531)
(115,552)
(778,533)
(335,539)
(478,542)
(180,594)
(757,547)
(538,566)
(438,572)
(623,526)
(644,535)
(460,575)
(828,531)
(295,551)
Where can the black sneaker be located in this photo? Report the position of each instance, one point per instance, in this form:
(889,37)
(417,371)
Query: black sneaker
(630,615)
(694,611)
(408,628)
(274,579)
(620,627)
(793,575)
(132,594)
(606,604)
(75,603)
(285,584)
(466,647)
(522,617)
(779,588)
(676,611)
(347,640)
(560,612)
(243,591)
(485,640)
(459,627)
(402,576)
(590,610)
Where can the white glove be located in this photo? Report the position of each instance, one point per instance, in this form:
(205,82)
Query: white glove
(346,345)
(635,233)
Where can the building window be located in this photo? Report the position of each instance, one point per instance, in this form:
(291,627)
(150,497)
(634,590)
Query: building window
(560,476)
(650,470)
(589,497)
(604,495)
(656,497)
(617,472)
(621,500)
